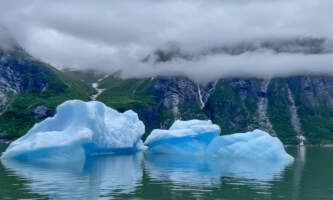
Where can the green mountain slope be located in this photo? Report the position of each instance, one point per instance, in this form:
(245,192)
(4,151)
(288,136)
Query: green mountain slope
(236,104)
(289,107)
(38,85)
(152,99)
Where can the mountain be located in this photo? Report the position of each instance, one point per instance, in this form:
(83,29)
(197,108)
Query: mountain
(291,107)
(30,90)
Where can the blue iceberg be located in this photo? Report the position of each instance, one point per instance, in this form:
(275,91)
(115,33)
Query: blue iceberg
(78,130)
(197,137)
(183,137)
(253,145)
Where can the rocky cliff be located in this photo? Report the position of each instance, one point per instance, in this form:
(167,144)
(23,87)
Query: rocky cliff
(292,108)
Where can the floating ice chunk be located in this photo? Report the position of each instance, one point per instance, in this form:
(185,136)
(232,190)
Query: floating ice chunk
(79,129)
(183,137)
(201,137)
(251,145)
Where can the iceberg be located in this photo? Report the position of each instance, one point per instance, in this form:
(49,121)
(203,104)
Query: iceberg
(78,130)
(183,137)
(253,145)
(196,137)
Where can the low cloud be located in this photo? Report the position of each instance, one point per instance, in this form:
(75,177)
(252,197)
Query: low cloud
(209,39)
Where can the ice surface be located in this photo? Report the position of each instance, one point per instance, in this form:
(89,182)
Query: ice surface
(183,137)
(255,145)
(184,128)
(79,129)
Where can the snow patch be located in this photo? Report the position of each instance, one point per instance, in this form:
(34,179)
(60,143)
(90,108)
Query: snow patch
(202,103)
(99,91)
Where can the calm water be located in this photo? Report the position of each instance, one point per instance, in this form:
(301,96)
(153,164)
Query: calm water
(161,177)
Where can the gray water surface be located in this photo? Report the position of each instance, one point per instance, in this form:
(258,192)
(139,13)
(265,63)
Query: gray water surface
(138,176)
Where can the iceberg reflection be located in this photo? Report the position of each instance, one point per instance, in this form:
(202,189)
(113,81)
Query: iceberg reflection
(109,175)
(91,179)
(197,170)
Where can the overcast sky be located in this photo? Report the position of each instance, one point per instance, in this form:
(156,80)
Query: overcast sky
(116,35)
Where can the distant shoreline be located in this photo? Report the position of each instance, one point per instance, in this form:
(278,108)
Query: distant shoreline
(309,145)
(8,141)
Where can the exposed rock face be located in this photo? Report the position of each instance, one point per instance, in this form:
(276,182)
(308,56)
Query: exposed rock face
(9,81)
(18,74)
(43,111)
(286,107)
(233,104)
(175,91)
(313,100)
(263,120)
(30,90)
(295,121)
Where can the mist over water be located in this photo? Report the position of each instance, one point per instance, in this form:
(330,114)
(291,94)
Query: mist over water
(203,40)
